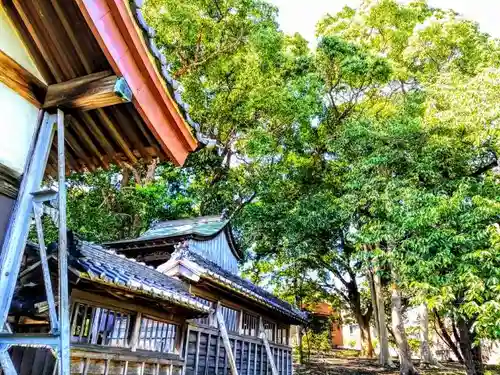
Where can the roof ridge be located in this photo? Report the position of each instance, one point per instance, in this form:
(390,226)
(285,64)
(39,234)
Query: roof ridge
(184,251)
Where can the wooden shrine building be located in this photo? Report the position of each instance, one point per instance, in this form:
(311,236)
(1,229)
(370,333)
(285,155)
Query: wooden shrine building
(190,315)
(202,253)
(125,317)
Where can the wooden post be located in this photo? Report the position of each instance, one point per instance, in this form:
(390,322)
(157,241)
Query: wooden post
(106,366)
(240,322)
(181,338)
(134,340)
(270,355)
(255,361)
(197,355)
(217,354)
(261,360)
(242,351)
(227,343)
(209,339)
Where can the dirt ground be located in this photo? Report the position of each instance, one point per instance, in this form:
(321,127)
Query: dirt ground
(332,365)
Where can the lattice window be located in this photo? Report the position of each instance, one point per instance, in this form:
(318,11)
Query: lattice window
(206,320)
(157,336)
(249,324)
(282,335)
(100,326)
(230,318)
(270,329)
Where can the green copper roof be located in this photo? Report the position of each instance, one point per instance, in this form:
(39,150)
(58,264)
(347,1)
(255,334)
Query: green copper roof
(205,226)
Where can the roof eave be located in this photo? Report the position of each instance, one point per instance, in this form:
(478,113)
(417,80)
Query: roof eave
(202,273)
(112,23)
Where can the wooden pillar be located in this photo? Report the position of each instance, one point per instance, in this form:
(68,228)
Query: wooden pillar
(134,340)
(197,353)
(217,354)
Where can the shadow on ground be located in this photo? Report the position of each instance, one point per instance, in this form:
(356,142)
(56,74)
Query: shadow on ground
(332,365)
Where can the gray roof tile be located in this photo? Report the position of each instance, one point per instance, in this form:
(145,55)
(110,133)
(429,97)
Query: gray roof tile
(240,285)
(100,265)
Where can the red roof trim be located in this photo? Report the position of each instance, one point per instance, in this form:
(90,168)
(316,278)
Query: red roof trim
(116,31)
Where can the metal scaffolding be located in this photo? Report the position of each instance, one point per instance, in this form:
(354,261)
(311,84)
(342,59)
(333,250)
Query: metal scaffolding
(30,204)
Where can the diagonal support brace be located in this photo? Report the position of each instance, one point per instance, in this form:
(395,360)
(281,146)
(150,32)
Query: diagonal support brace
(17,231)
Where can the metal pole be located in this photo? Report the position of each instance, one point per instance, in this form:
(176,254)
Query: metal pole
(64,350)
(7,365)
(54,323)
(17,232)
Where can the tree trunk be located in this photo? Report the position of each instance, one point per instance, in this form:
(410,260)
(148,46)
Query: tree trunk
(384,356)
(363,320)
(373,295)
(366,337)
(299,345)
(406,365)
(471,353)
(426,357)
(445,336)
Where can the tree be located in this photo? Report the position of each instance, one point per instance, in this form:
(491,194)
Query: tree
(381,145)
(448,67)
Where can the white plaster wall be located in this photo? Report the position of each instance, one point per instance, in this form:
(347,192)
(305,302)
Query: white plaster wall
(11,44)
(17,116)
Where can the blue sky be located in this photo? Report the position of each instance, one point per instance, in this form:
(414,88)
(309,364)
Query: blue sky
(301,15)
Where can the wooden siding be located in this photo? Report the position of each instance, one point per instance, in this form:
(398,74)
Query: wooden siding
(205,354)
(41,361)
(217,250)
(32,361)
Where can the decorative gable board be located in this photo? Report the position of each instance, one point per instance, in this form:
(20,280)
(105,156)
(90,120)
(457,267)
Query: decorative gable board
(217,250)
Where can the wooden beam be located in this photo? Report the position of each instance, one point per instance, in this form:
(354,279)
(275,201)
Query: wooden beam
(20,80)
(9,182)
(99,136)
(88,143)
(29,43)
(227,343)
(92,91)
(270,355)
(118,136)
(43,47)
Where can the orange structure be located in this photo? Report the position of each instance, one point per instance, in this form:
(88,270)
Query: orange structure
(323,314)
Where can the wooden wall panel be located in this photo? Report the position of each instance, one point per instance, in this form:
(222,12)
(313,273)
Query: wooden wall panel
(206,355)
(32,361)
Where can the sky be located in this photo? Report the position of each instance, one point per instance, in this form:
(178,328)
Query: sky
(301,15)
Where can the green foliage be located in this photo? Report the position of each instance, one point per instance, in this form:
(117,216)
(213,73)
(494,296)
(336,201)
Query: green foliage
(377,149)
(317,342)
(104,207)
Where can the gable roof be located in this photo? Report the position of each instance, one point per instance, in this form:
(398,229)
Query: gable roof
(209,270)
(92,262)
(203,227)
(199,228)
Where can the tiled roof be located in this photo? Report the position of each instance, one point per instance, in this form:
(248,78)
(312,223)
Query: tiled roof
(239,285)
(205,226)
(104,266)
(173,86)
